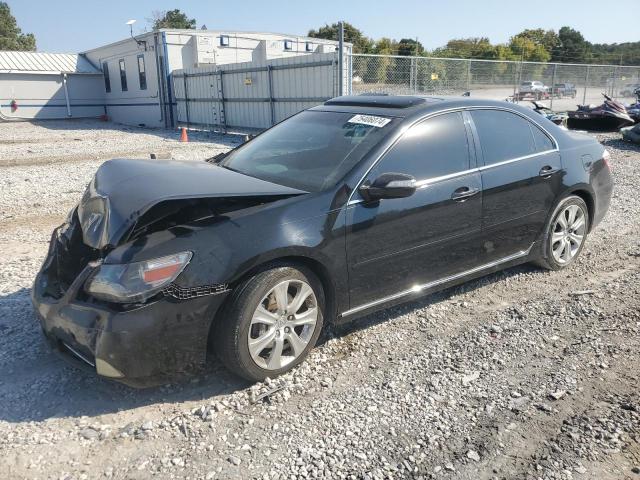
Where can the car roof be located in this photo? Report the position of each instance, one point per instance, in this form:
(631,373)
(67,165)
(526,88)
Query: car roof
(405,106)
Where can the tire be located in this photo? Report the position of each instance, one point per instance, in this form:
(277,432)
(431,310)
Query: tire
(564,234)
(254,315)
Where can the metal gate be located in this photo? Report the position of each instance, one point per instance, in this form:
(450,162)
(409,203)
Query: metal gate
(253,95)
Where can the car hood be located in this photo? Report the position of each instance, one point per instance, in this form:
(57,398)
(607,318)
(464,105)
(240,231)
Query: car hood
(124,190)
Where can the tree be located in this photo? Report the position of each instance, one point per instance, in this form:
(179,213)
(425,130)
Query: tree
(172,19)
(619,53)
(361,43)
(385,46)
(410,47)
(572,47)
(548,39)
(475,47)
(11,37)
(528,50)
(374,69)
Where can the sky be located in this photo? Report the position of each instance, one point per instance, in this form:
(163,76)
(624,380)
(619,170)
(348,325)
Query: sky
(74,26)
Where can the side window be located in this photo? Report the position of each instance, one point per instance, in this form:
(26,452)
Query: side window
(543,142)
(503,135)
(435,147)
(142,73)
(107,80)
(123,76)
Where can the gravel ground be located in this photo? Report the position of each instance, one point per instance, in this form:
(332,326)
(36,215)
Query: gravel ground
(44,142)
(523,374)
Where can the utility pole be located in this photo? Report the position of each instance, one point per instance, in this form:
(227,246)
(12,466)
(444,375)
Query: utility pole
(341,58)
(519,82)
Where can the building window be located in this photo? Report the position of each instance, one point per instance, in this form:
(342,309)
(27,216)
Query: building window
(142,74)
(224,40)
(123,76)
(288,44)
(309,47)
(107,80)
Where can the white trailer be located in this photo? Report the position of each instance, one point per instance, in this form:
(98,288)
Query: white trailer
(138,87)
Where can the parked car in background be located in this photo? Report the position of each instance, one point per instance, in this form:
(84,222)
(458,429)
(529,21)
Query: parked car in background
(533,89)
(349,207)
(564,90)
(629,89)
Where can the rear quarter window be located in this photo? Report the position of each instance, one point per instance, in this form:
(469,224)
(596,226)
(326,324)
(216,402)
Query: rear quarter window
(542,140)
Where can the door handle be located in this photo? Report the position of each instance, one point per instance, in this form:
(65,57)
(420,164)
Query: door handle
(462,193)
(547,171)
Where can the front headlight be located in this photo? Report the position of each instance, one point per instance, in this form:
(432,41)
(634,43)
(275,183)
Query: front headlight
(136,282)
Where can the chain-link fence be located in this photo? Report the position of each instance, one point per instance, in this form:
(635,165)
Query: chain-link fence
(560,85)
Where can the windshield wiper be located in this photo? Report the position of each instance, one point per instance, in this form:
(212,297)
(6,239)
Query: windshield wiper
(216,159)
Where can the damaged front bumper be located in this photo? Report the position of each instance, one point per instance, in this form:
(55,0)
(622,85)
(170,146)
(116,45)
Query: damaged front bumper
(140,345)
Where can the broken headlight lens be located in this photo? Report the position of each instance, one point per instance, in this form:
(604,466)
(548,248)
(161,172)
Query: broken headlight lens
(136,282)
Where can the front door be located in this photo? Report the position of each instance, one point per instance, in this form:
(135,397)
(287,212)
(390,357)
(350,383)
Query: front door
(395,245)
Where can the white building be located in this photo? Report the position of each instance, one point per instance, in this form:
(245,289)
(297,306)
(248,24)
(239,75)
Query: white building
(137,71)
(49,85)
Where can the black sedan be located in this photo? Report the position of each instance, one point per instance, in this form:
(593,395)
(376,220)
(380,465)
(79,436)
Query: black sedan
(343,209)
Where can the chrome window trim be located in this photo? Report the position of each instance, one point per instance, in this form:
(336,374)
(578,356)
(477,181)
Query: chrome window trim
(505,162)
(430,181)
(481,168)
(435,283)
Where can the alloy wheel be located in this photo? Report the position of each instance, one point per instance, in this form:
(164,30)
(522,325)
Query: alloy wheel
(283,324)
(568,234)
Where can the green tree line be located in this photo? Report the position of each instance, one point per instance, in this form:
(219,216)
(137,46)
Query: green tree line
(536,45)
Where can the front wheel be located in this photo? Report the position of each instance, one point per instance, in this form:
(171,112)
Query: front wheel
(565,234)
(273,321)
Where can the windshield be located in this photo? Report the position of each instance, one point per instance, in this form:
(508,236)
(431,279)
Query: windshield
(311,151)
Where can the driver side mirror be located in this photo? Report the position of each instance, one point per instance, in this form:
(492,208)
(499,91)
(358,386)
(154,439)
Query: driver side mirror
(388,185)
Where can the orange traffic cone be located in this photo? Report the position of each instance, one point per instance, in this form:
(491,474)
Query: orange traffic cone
(183,135)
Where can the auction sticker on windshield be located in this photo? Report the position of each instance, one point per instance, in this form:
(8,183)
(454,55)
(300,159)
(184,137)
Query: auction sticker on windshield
(369,120)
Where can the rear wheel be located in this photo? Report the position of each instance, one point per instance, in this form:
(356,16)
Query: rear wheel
(271,324)
(565,234)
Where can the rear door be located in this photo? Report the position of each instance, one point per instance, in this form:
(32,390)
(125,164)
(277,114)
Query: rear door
(395,245)
(521,178)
